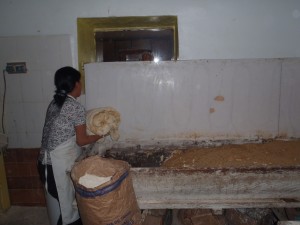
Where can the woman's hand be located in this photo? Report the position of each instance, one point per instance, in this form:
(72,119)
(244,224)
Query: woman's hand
(82,138)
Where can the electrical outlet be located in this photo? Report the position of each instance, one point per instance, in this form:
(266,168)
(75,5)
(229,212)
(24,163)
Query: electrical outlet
(16,67)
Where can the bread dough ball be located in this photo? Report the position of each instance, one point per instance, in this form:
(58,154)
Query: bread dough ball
(103,121)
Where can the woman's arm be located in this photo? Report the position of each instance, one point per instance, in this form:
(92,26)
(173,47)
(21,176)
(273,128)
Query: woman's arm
(82,138)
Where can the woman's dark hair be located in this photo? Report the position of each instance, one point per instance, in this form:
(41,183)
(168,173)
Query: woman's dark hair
(65,79)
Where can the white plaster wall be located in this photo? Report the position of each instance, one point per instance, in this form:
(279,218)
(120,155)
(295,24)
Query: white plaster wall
(208,29)
(198,100)
(290,99)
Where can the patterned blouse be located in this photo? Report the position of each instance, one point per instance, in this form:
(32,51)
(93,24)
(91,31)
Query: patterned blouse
(60,125)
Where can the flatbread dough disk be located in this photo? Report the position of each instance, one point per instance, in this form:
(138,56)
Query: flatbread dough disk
(103,121)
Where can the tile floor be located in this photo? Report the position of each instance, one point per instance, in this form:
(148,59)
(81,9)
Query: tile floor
(19,215)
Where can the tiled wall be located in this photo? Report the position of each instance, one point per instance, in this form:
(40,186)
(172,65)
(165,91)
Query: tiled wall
(27,98)
(28,95)
(23,180)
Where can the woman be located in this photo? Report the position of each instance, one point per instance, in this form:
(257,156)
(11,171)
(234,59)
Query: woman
(64,131)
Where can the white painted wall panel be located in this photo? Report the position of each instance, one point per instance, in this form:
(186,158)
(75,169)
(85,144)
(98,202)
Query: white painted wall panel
(290,99)
(184,100)
(214,29)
